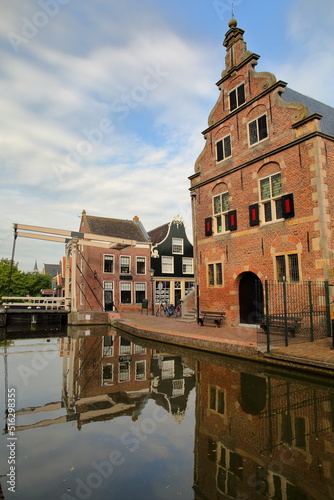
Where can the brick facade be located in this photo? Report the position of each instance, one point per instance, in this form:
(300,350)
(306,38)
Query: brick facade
(262,189)
(118,278)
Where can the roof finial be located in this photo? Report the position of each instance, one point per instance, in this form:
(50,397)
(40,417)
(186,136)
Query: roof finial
(233,22)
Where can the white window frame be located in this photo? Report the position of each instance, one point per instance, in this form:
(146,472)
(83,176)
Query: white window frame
(251,144)
(288,267)
(177,246)
(140,287)
(120,264)
(128,372)
(216,282)
(187,265)
(167,264)
(108,257)
(107,381)
(125,286)
(220,219)
(140,362)
(108,350)
(126,349)
(271,200)
(143,259)
(223,141)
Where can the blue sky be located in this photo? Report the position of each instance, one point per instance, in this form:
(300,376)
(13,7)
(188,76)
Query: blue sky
(103,103)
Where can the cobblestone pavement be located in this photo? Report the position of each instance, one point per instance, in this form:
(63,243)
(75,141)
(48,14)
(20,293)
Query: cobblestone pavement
(243,339)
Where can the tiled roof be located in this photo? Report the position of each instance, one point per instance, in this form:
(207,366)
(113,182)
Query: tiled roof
(159,233)
(327,122)
(115,228)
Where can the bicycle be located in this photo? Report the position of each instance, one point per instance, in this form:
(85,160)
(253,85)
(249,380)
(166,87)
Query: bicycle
(178,309)
(166,310)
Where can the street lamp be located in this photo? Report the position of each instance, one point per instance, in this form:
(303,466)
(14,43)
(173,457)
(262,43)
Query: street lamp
(152,283)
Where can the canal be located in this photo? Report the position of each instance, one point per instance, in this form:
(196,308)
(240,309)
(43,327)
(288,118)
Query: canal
(92,414)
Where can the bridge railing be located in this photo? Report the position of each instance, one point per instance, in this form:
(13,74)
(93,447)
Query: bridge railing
(46,303)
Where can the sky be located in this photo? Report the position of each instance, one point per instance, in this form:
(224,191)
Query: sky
(104,103)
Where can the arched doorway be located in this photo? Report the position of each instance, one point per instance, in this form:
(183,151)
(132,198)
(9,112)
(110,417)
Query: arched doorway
(250,298)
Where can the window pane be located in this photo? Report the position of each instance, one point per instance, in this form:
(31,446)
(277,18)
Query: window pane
(280,267)
(219,224)
(241,94)
(300,431)
(225,202)
(220,152)
(140,370)
(125,265)
(227,146)
(167,264)
(124,371)
(286,429)
(140,265)
(233,100)
(265,188)
(253,132)
(267,212)
(177,245)
(108,263)
(279,209)
(187,265)
(217,207)
(263,133)
(221,402)
(211,275)
(219,274)
(293,267)
(212,402)
(276,185)
(107,374)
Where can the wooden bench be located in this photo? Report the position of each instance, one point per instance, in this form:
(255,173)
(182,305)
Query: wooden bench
(278,324)
(216,317)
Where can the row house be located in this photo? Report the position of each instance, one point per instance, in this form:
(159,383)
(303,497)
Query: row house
(115,278)
(172,261)
(262,195)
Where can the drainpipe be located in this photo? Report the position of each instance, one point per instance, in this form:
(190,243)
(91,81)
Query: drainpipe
(193,195)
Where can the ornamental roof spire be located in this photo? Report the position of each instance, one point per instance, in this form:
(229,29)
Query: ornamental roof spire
(236,48)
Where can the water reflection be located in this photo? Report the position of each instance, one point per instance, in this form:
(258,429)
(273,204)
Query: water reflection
(100,415)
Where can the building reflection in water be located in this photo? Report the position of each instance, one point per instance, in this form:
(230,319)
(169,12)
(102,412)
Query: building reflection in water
(262,436)
(257,434)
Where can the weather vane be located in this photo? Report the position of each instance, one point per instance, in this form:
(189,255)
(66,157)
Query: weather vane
(232,9)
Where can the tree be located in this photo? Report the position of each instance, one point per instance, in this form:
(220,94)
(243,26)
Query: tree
(14,282)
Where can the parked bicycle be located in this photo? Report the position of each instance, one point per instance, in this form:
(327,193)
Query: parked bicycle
(167,310)
(178,309)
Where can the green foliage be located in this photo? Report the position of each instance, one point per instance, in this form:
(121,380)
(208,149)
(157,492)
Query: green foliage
(14,282)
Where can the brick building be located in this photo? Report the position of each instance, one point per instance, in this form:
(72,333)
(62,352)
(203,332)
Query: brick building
(261,435)
(118,277)
(262,195)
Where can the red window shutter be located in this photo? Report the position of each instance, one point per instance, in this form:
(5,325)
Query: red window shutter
(232,220)
(288,209)
(208,226)
(254,219)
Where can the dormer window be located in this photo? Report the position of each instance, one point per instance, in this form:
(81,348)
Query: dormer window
(237,97)
(223,148)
